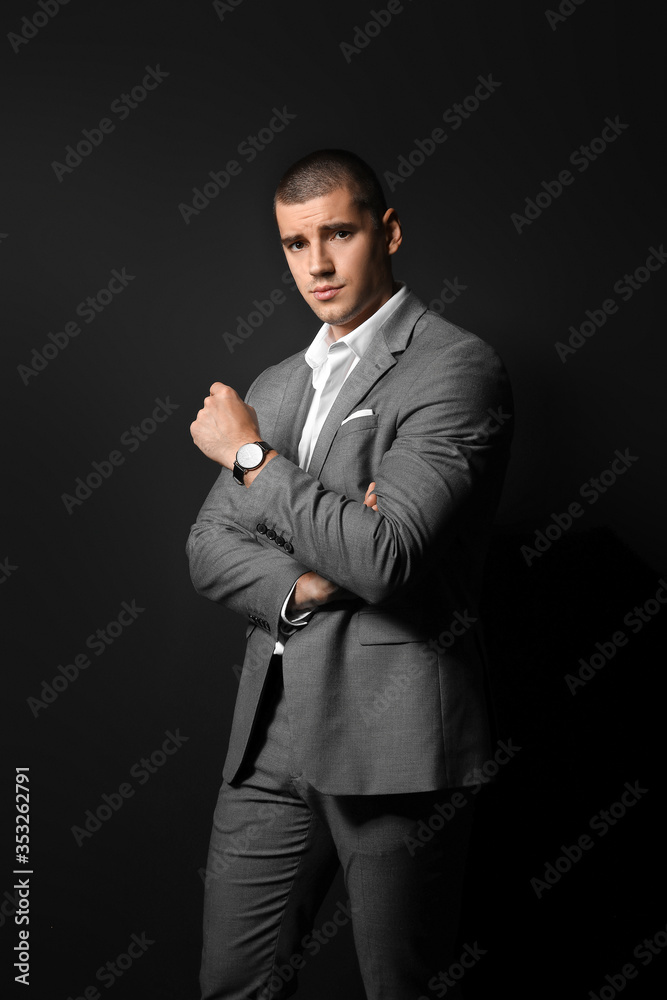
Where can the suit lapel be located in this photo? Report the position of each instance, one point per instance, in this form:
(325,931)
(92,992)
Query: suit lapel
(293,410)
(391,339)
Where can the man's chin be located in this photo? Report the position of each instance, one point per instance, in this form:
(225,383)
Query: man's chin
(332,313)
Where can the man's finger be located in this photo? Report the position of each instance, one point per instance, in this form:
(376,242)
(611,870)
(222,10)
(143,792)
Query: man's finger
(217,387)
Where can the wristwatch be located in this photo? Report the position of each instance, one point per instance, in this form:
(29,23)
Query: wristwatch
(249,456)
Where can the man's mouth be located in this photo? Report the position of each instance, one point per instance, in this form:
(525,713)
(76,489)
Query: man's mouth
(325,292)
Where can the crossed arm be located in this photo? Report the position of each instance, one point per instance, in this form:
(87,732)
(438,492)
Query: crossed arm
(230,566)
(446,462)
(222,425)
(312,590)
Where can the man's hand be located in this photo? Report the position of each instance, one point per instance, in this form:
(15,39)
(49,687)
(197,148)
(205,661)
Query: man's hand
(223,424)
(371,500)
(312,590)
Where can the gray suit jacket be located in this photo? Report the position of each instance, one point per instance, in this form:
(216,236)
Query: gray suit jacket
(386,693)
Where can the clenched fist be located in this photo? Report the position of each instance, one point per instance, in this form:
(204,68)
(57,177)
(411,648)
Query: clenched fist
(223,424)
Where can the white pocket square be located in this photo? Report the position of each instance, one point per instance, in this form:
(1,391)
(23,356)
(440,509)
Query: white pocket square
(358,413)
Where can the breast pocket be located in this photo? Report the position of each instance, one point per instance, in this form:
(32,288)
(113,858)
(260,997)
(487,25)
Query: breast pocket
(357,424)
(354,457)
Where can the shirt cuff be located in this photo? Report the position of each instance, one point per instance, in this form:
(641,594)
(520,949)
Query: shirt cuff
(298,620)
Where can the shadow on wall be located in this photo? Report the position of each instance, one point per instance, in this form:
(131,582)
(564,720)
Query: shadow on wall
(562,850)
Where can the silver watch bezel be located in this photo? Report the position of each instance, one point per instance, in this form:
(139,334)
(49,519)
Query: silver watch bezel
(245,454)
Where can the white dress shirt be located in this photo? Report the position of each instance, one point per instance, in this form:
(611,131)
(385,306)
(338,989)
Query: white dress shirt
(332,361)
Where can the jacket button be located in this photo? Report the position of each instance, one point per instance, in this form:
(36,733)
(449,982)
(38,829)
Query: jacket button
(289,547)
(271,534)
(261,528)
(280,540)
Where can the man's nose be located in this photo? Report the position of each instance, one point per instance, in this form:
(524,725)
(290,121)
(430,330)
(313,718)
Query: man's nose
(320,262)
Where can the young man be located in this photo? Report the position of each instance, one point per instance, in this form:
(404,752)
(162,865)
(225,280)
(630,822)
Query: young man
(349,525)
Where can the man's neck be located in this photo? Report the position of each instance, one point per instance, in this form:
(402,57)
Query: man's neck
(341,331)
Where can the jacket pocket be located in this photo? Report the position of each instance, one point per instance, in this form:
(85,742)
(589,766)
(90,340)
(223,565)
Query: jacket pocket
(365,423)
(375,627)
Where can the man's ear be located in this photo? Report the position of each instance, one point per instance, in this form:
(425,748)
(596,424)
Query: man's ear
(393,232)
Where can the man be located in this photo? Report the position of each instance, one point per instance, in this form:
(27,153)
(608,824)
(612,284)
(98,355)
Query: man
(349,524)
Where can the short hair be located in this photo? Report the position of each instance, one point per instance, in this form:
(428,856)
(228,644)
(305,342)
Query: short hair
(323,171)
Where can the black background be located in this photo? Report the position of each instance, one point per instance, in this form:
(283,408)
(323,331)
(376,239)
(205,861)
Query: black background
(174,667)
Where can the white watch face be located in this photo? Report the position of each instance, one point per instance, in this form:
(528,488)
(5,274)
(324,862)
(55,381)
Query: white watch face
(249,456)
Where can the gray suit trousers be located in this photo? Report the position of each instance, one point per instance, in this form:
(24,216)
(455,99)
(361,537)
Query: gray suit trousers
(275,848)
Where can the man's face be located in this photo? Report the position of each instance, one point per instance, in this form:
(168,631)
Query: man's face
(339,261)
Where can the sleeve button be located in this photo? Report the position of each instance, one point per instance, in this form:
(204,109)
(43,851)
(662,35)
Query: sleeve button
(261,528)
(271,534)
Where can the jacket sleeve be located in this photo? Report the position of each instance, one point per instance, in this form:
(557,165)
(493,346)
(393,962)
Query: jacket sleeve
(447,453)
(229,565)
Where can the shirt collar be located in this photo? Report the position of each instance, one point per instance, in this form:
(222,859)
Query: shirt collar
(359,339)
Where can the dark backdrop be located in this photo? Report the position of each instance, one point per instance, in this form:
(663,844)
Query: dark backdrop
(83,710)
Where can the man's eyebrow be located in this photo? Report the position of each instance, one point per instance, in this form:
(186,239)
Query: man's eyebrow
(324,228)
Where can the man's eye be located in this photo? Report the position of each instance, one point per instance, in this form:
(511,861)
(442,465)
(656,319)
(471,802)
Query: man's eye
(296,245)
(342,233)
